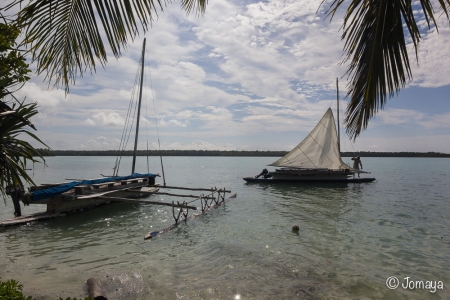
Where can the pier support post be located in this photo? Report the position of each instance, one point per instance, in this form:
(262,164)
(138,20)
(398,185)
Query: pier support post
(16,195)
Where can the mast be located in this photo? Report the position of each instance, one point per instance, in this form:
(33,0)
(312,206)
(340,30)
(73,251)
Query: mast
(338,129)
(139,110)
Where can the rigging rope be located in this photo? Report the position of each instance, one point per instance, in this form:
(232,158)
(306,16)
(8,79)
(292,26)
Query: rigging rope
(128,124)
(157,129)
(129,121)
(146,111)
(345,140)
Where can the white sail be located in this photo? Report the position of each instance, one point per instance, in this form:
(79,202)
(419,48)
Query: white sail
(319,150)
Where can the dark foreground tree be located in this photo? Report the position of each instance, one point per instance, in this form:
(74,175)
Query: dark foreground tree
(13,67)
(375,48)
(15,153)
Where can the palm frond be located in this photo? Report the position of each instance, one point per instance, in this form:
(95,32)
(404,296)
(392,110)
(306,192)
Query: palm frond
(15,153)
(65,36)
(375,48)
(189,5)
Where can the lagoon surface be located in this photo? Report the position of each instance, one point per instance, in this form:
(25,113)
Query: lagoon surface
(352,237)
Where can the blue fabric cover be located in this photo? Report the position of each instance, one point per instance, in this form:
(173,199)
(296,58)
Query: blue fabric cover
(58,190)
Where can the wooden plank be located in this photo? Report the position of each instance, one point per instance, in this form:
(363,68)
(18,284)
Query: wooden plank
(114,188)
(84,202)
(104,184)
(147,202)
(168,194)
(95,195)
(153,234)
(194,189)
(28,219)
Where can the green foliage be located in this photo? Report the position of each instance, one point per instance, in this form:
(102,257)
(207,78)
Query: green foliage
(375,47)
(16,154)
(11,290)
(162,152)
(65,38)
(15,120)
(236,153)
(45,151)
(13,67)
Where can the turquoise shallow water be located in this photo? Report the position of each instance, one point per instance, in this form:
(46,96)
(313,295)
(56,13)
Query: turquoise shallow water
(351,239)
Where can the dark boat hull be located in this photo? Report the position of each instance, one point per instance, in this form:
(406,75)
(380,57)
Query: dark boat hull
(281,180)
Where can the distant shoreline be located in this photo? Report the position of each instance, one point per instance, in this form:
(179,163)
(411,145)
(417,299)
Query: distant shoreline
(256,153)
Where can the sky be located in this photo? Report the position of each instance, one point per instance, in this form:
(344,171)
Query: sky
(246,75)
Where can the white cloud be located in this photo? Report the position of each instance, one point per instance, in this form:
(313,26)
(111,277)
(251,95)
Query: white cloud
(399,116)
(420,143)
(99,142)
(47,99)
(432,69)
(173,123)
(198,145)
(105,119)
(437,121)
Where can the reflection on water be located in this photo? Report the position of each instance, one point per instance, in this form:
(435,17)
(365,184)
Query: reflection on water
(351,238)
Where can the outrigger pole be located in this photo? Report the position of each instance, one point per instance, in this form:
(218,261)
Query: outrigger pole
(139,110)
(215,199)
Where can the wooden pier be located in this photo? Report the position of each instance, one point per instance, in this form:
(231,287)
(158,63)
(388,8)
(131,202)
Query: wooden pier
(88,196)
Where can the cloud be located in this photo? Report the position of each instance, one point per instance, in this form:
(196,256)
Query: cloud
(105,119)
(437,121)
(419,143)
(173,122)
(266,45)
(99,142)
(198,145)
(432,69)
(47,99)
(399,116)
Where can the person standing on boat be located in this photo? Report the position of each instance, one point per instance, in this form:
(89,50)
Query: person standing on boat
(356,164)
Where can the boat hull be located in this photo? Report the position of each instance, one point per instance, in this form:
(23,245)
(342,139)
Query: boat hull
(303,180)
(310,175)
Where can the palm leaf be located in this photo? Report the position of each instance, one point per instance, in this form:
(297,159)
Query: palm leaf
(65,36)
(375,48)
(16,153)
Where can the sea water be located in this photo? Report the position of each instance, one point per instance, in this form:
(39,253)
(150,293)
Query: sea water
(353,238)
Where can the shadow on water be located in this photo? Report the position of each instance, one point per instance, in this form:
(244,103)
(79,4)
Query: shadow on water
(329,199)
(79,218)
(82,231)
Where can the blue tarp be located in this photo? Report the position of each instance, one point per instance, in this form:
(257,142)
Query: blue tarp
(58,190)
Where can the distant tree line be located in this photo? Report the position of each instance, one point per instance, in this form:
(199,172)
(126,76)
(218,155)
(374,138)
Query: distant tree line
(49,152)
(394,154)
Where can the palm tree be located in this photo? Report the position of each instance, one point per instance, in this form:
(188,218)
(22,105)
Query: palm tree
(375,48)
(64,36)
(15,117)
(16,154)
